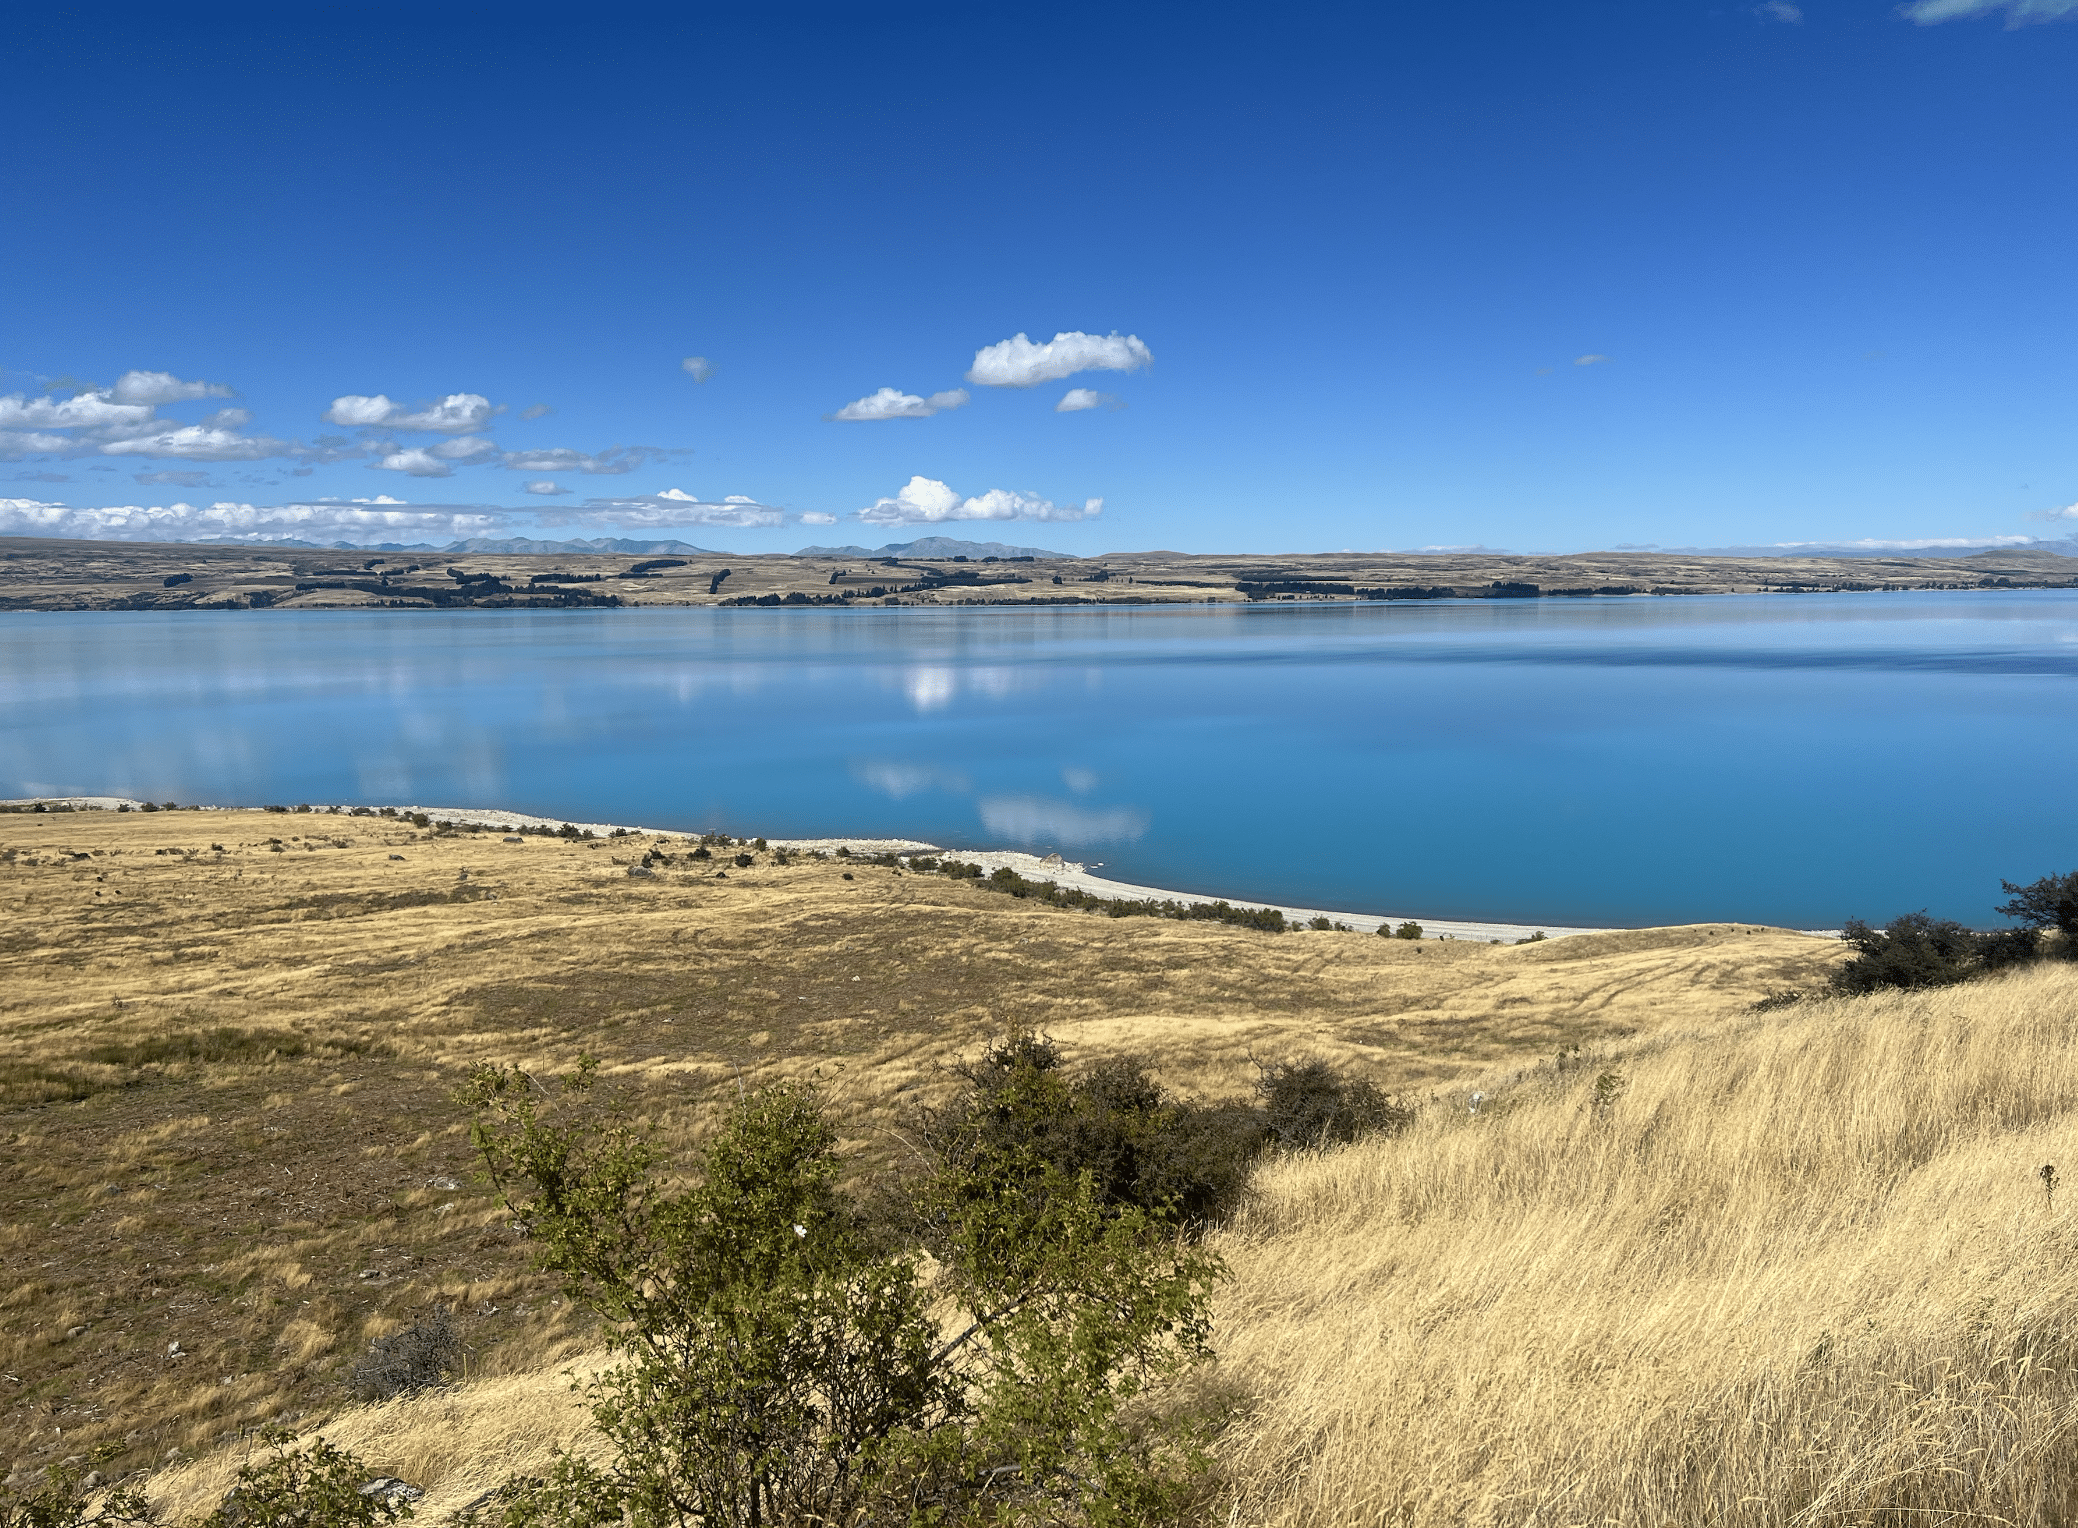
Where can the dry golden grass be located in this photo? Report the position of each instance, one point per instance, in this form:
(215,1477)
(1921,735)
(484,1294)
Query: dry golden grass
(1801,1269)
(225,1077)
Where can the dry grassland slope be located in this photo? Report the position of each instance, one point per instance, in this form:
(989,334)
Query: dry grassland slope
(228,1040)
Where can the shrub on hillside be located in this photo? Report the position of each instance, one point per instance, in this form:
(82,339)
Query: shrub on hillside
(1141,1148)
(2049,905)
(776,1367)
(315,1487)
(1309,1103)
(1909,952)
(66,1500)
(417,1358)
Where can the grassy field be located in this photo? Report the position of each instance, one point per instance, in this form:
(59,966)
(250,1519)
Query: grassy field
(228,1043)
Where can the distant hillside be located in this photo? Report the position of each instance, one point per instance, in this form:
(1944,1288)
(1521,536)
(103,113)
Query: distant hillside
(931,546)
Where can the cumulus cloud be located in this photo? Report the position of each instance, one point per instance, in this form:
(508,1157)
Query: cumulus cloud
(2018,13)
(926,501)
(892,403)
(698,367)
(547,488)
(608,463)
(1590,360)
(383,519)
(1779,10)
(674,506)
(2068,512)
(417,461)
(817,517)
(536,411)
(1076,399)
(152,388)
(1018,362)
(124,420)
(456,414)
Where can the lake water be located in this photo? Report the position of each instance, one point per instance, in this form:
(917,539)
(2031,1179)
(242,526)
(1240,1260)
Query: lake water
(1787,759)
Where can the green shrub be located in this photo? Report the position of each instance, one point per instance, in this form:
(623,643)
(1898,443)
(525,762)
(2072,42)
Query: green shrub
(1910,952)
(1309,1104)
(314,1487)
(65,1501)
(1407,930)
(2045,906)
(777,1367)
(1140,1148)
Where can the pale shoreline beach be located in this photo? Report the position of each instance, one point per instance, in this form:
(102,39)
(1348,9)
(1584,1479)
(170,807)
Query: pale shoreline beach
(1050,868)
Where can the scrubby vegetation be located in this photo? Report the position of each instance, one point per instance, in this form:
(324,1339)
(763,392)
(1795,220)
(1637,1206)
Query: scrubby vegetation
(1009,882)
(1916,951)
(780,1362)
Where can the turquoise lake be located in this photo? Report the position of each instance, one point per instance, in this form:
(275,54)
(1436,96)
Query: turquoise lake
(1785,759)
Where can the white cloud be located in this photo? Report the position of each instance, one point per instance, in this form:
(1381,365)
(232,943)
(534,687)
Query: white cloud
(607,463)
(417,461)
(892,403)
(88,411)
(1018,362)
(180,479)
(355,410)
(2018,12)
(926,501)
(456,414)
(466,449)
(1589,360)
(2068,512)
(383,519)
(674,506)
(152,388)
(547,488)
(817,517)
(1779,10)
(536,411)
(698,367)
(1076,399)
(214,440)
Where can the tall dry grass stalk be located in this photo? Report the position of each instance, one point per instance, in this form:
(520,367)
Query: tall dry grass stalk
(1802,1270)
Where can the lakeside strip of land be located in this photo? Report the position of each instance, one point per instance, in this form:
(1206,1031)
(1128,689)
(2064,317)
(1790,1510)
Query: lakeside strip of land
(1051,869)
(52,574)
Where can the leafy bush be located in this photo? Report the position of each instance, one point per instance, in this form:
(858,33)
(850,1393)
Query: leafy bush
(2050,904)
(66,1500)
(777,1367)
(315,1487)
(1139,1147)
(1910,952)
(1407,930)
(415,1359)
(744,861)
(1308,1103)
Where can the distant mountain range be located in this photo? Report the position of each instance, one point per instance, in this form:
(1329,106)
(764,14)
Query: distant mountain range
(931,546)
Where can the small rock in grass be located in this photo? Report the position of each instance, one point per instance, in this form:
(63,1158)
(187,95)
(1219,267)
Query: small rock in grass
(391,1491)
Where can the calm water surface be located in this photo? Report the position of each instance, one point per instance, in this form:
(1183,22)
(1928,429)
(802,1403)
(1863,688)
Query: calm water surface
(1794,760)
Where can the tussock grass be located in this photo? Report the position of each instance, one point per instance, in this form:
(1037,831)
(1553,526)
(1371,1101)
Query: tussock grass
(1802,1270)
(228,1043)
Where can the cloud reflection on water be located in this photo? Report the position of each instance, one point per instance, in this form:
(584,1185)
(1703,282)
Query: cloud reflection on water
(1035,820)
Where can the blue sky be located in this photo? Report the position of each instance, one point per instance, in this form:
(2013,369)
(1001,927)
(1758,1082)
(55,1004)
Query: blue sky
(1534,276)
